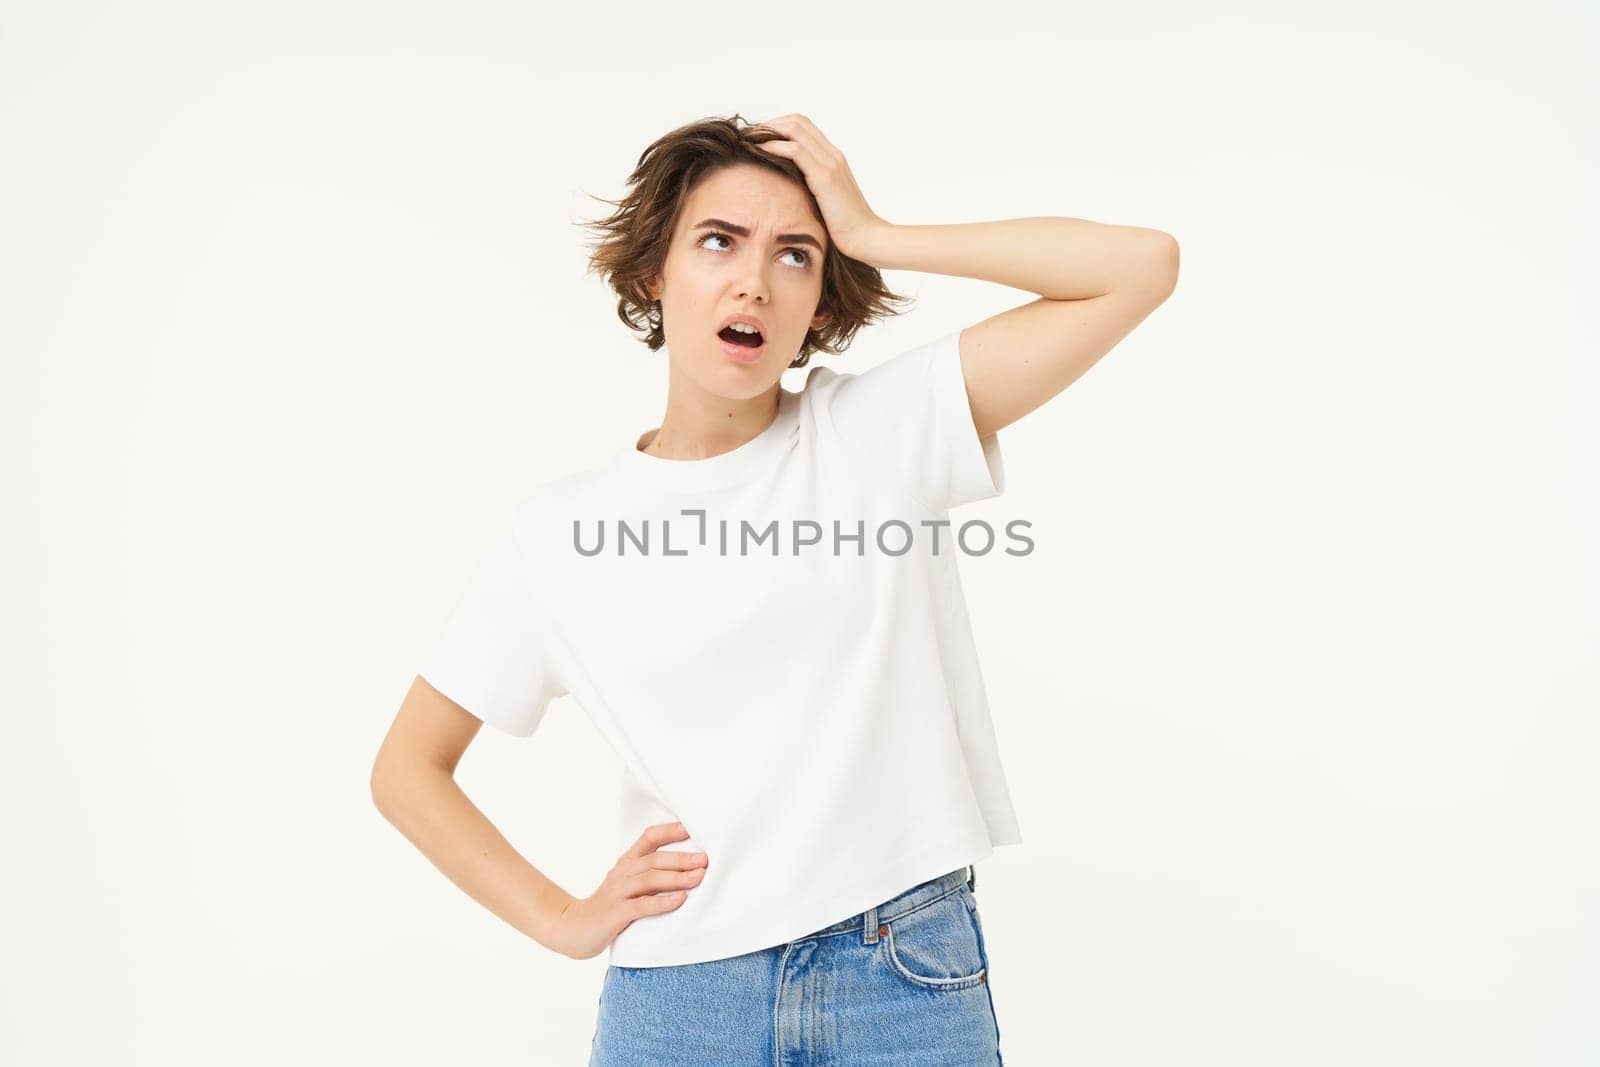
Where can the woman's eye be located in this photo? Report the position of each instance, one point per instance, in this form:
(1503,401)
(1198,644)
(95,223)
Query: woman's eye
(805,256)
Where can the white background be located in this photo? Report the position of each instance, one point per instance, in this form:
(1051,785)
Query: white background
(1296,694)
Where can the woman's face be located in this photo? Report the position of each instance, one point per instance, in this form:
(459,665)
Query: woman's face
(771,274)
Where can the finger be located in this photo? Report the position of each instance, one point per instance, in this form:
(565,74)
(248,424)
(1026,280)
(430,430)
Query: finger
(665,858)
(660,880)
(671,858)
(657,904)
(791,128)
(802,130)
(656,836)
(820,144)
(797,150)
(770,126)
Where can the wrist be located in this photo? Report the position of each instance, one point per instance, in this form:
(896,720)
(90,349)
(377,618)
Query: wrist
(547,912)
(865,244)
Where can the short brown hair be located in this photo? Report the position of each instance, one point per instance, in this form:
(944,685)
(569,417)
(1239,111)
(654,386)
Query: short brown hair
(635,238)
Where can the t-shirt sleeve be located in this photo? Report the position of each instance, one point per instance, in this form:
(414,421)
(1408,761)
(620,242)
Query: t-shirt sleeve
(911,418)
(493,656)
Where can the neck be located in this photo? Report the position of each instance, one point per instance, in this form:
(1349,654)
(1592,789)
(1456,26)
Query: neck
(709,425)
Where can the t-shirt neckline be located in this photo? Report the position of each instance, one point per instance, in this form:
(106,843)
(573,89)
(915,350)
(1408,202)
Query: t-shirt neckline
(739,464)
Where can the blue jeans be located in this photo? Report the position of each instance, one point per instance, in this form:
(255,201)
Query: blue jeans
(905,982)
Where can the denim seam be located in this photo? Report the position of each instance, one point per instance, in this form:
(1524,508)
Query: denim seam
(887,918)
(777,1006)
(964,981)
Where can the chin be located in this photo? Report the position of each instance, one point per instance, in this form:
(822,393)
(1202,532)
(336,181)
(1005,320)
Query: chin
(738,381)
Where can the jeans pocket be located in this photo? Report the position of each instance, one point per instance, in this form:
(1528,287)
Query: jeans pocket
(936,946)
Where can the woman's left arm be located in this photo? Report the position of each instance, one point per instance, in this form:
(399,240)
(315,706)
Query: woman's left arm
(1056,257)
(1095,281)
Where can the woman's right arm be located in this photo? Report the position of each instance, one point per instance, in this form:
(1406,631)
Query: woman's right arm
(414,787)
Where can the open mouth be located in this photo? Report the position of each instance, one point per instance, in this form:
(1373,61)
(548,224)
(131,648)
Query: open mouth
(737,337)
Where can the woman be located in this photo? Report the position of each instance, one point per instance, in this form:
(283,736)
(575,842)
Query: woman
(757,604)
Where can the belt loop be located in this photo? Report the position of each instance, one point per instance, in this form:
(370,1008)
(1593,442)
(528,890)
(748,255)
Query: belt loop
(972,880)
(870,926)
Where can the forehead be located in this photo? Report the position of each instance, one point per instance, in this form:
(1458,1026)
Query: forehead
(750,196)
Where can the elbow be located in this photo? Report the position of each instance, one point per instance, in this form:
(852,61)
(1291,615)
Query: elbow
(1164,252)
(1158,275)
(376,788)
(399,783)
(381,787)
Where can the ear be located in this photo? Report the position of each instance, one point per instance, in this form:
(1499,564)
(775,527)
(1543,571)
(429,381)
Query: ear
(652,286)
(821,319)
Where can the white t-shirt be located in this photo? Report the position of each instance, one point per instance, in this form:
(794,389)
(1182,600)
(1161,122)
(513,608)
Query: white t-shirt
(815,718)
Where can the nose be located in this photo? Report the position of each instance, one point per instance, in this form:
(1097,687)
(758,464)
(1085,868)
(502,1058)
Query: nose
(753,287)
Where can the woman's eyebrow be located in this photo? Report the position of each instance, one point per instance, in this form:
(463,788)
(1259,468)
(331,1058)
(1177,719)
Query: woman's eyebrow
(744,231)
